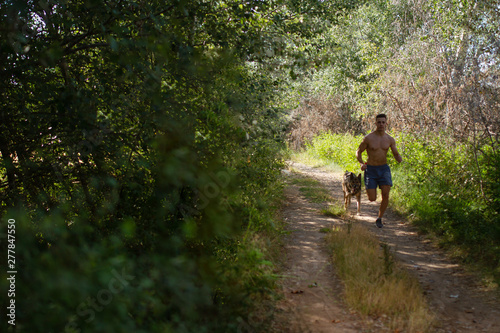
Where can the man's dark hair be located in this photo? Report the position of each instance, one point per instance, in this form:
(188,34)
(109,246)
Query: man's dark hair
(381,115)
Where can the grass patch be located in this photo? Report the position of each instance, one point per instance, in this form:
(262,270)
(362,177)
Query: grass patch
(313,190)
(375,284)
(316,194)
(335,210)
(306,182)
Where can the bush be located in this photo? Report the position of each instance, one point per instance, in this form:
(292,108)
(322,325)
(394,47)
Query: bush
(448,190)
(170,228)
(337,148)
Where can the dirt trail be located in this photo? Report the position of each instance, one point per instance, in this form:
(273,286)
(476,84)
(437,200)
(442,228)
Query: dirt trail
(313,294)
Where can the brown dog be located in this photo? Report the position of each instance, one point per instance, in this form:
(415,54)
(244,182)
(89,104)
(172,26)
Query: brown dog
(351,185)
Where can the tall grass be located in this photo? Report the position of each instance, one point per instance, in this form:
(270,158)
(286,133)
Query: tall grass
(375,285)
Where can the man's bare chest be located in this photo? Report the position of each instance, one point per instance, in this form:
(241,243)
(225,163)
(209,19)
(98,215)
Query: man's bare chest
(377,144)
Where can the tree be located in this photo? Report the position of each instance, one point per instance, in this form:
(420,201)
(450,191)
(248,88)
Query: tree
(139,144)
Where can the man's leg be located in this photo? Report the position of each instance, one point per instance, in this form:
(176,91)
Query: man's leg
(385,199)
(372,196)
(371,193)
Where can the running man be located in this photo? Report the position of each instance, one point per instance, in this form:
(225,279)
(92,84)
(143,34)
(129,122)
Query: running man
(377,172)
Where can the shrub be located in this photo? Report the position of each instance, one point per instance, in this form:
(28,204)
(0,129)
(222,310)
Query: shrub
(337,148)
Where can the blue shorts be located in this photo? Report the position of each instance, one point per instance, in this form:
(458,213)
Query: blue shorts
(377,176)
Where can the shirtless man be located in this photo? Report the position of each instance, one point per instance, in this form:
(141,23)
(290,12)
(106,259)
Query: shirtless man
(377,172)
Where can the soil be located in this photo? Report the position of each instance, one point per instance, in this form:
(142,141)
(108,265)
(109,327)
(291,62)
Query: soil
(313,294)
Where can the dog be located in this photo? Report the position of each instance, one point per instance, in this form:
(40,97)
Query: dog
(351,185)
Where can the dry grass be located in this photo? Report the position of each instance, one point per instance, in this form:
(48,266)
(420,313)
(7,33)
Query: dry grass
(375,285)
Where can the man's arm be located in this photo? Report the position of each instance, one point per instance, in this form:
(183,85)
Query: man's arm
(395,152)
(359,153)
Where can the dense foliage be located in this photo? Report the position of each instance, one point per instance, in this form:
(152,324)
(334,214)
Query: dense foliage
(432,66)
(336,147)
(140,142)
(140,157)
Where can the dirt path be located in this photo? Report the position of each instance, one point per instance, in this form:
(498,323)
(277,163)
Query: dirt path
(313,294)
